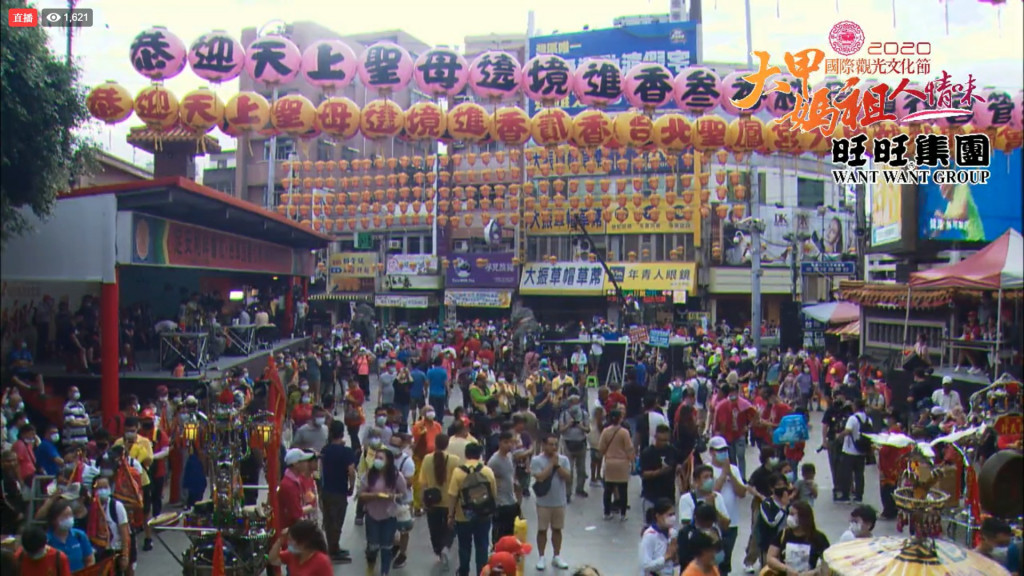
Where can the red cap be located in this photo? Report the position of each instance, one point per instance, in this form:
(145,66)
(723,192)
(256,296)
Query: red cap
(148,414)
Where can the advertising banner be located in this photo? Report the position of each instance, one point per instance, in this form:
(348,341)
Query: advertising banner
(886,217)
(973,212)
(659,338)
(562,279)
(827,236)
(400,301)
(407,282)
(630,219)
(413,264)
(354,264)
(478,298)
(647,276)
(671,44)
(159,242)
(497,272)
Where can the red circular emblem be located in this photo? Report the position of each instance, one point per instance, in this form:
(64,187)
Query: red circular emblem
(846,37)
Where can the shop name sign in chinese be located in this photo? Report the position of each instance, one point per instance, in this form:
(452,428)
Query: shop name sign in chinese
(478,298)
(412,264)
(353,264)
(562,278)
(398,301)
(642,277)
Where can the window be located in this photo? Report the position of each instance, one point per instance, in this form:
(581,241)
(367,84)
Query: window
(285,148)
(412,245)
(324,151)
(810,193)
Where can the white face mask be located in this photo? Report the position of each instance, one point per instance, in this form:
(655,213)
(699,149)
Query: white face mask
(320,421)
(855,528)
(792,522)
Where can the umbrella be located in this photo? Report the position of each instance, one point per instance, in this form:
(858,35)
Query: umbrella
(891,556)
(833,312)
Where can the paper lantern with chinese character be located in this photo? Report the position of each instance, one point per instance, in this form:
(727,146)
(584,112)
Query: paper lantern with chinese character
(293,114)
(385,68)
(273,60)
(495,76)
(158,54)
(995,112)
(648,86)
(591,128)
(735,88)
(547,79)
(329,64)
(815,143)
(469,122)
(745,134)
(201,110)
(779,103)
(425,121)
(597,82)
(633,129)
(511,126)
(441,72)
(110,102)
(1008,139)
(783,138)
(673,133)
(697,90)
(709,133)
(382,119)
(339,117)
(550,127)
(157,107)
(216,57)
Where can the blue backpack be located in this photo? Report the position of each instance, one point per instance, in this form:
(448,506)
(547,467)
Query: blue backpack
(792,429)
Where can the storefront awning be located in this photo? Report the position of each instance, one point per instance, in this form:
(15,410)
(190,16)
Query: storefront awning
(849,331)
(340,297)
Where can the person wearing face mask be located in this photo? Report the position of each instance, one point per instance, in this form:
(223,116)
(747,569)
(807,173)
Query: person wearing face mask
(771,516)
(153,505)
(703,492)
(705,523)
(25,449)
(130,408)
(47,456)
(305,550)
(399,446)
(796,550)
(759,485)
(303,411)
(574,425)
(354,415)
(381,490)
(658,545)
(291,492)
(62,535)
(658,469)
(424,433)
(76,419)
(338,464)
(108,528)
(35,556)
(313,434)
(862,522)
(386,382)
(732,418)
(12,404)
(373,443)
(995,540)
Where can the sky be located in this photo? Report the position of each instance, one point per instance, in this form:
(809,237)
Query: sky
(984,40)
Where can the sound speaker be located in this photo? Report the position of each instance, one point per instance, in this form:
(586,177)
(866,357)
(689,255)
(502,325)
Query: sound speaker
(791,326)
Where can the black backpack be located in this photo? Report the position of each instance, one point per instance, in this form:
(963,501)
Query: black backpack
(476,495)
(863,443)
(702,390)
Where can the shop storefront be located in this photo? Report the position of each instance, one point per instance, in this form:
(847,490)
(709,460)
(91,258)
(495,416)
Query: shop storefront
(729,290)
(661,287)
(479,285)
(564,291)
(351,280)
(414,279)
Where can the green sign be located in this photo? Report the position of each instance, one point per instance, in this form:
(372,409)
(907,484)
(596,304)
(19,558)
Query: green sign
(364,241)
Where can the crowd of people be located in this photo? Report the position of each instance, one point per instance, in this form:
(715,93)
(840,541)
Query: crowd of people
(382,425)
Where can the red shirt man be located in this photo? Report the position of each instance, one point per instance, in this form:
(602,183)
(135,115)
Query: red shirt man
(291,490)
(733,416)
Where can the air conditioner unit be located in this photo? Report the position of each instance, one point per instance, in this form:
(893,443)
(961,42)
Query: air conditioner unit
(394,244)
(461,246)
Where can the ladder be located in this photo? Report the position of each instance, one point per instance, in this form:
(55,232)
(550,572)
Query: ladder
(37,496)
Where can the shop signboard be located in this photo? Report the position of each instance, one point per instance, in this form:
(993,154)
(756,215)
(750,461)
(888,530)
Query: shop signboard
(412,264)
(659,338)
(400,301)
(481,269)
(629,219)
(828,268)
(478,298)
(642,277)
(354,264)
(399,282)
(820,235)
(562,279)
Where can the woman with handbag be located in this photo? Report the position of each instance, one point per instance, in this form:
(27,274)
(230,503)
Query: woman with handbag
(617,449)
(435,471)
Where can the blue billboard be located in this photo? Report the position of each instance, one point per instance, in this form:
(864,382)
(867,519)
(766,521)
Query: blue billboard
(672,44)
(973,212)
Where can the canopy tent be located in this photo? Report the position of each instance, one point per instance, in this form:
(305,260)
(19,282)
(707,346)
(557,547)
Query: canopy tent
(833,312)
(849,331)
(998,266)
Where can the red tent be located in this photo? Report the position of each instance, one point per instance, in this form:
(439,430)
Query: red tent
(998,266)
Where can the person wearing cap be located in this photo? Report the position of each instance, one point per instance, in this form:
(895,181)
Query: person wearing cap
(154,495)
(946,397)
(292,502)
(938,417)
(728,482)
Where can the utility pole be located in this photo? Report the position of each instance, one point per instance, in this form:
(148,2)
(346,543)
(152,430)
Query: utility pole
(755,216)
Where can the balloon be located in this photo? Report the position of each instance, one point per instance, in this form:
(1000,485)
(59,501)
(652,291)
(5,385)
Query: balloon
(995,112)
(745,134)
(469,122)
(495,76)
(216,57)
(329,64)
(441,72)
(709,133)
(201,110)
(597,82)
(293,114)
(385,67)
(734,87)
(273,60)
(778,104)
(633,129)
(425,121)
(673,132)
(157,53)
(550,127)
(511,126)
(648,85)
(591,128)
(246,112)
(110,102)
(382,119)
(157,107)
(547,78)
(339,117)
(697,90)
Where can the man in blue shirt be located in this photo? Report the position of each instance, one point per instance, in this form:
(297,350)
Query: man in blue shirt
(641,373)
(419,385)
(438,386)
(63,536)
(338,474)
(47,456)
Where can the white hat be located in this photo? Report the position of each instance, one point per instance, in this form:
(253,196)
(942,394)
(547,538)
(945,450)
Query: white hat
(296,455)
(718,443)
(947,380)
(938,410)
(476,364)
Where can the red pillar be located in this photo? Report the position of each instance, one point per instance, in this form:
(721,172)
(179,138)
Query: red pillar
(110,351)
(305,287)
(289,308)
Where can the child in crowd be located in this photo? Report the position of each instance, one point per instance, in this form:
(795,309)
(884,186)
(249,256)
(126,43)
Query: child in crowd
(806,487)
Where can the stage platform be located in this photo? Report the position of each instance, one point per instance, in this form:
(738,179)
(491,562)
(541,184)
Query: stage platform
(981,380)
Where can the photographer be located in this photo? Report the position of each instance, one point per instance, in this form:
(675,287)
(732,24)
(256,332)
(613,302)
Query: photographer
(833,421)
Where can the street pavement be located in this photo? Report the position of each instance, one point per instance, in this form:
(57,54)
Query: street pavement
(611,547)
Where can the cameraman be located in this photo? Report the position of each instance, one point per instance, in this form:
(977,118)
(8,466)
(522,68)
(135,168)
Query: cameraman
(833,422)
